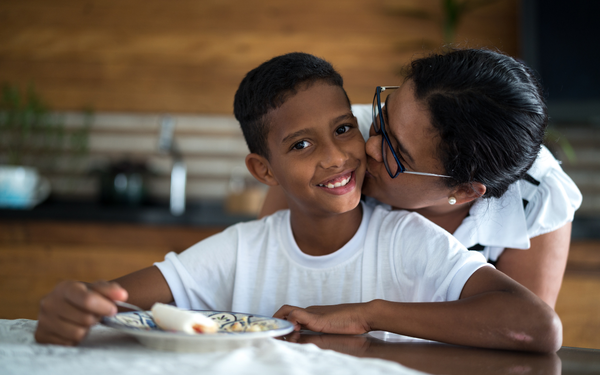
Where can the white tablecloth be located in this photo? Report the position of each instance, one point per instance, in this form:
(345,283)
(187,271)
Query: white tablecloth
(108,352)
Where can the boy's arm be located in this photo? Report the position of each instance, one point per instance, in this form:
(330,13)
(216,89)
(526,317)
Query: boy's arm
(67,313)
(146,287)
(493,311)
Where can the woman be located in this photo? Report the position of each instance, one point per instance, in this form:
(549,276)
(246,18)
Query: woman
(460,143)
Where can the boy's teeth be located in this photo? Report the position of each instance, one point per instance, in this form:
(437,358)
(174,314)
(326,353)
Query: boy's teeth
(337,184)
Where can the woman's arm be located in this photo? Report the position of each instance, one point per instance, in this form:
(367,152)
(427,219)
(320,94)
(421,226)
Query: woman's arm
(274,201)
(493,312)
(541,267)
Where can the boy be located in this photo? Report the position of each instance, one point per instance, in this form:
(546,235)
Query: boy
(366,267)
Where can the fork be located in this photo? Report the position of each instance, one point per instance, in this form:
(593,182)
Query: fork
(128,306)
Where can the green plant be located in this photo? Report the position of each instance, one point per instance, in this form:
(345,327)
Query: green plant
(31,135)
(454,11)
(555,141)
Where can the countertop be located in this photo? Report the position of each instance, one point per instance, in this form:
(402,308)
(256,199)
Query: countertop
(199,213)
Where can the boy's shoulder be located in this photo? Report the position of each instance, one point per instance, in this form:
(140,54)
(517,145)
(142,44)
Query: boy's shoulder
(275,224)
(277,219)
(392,222)
(247,233)
(384,212)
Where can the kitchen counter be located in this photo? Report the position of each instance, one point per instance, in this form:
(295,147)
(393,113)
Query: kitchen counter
(201,213)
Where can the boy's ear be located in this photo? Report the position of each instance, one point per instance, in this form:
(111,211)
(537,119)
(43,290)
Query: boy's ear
(468,192)
(260,168)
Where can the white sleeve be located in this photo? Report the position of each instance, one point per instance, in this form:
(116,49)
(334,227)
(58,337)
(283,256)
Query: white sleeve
(202,277)
(553,202)
(363,114)
(431,262)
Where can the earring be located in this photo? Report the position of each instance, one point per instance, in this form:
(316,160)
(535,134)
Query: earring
(452,200)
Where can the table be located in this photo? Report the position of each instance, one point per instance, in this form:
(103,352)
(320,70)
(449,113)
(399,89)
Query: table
(107,351)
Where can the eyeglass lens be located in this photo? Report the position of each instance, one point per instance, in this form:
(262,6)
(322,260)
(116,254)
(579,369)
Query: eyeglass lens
(375,114)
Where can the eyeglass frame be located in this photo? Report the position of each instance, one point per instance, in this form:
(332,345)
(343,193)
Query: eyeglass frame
(385,138)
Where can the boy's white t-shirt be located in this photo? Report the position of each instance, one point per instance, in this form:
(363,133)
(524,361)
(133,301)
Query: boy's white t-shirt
(256,267)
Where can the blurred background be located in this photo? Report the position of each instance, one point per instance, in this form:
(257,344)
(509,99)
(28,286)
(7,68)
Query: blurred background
(137,97)
(132,62)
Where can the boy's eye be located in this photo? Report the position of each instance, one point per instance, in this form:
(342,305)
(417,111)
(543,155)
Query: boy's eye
(342,129)
(300,145)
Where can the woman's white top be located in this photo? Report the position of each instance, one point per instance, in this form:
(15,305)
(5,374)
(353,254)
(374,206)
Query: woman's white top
(541,203)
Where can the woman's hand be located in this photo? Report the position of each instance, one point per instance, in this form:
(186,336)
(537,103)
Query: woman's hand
(345,319)
(72,308)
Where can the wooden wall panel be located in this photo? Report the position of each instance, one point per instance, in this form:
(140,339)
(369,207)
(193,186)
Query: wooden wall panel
(579,310)
(578,304)
(31,271)
(35,256)
(133,60)
(188,56)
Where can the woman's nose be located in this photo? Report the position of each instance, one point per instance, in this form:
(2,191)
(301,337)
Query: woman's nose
(373,147)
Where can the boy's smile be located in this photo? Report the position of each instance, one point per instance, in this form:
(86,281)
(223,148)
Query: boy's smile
(316,152)
(340,185)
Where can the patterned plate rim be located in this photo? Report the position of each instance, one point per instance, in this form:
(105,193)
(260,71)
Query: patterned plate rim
(284,328)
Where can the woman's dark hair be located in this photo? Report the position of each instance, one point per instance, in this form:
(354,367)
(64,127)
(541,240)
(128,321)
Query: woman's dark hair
(269,85)
(489,111)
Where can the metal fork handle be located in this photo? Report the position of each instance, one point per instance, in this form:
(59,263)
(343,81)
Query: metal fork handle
(128,306)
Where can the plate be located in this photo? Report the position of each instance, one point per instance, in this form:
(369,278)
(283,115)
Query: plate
(144,329)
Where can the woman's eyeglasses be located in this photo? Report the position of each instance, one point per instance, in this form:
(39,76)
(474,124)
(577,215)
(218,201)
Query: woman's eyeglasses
(379,127)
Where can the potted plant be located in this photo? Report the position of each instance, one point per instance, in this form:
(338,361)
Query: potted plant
(32,138)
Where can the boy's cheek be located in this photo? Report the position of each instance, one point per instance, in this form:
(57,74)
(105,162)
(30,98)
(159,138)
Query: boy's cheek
(360,151)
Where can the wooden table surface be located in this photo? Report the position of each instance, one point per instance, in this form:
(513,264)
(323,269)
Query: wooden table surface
(437,358)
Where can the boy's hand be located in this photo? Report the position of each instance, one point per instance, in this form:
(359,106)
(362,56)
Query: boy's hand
(68,312)
(345,319)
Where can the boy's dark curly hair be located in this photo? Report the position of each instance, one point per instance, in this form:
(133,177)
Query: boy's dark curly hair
(269,85)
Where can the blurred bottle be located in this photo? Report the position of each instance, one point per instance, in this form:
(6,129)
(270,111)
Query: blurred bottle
(245,195)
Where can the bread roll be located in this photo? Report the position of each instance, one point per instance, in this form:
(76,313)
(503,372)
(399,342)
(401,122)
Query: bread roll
(171,318)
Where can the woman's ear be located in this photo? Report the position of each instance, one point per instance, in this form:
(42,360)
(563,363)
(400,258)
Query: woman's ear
(468,192)
(260,168)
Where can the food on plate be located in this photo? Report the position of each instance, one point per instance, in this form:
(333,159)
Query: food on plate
(243,325)
(171,318)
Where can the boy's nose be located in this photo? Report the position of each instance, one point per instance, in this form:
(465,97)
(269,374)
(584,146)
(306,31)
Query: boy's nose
(335,157)
(373,147)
